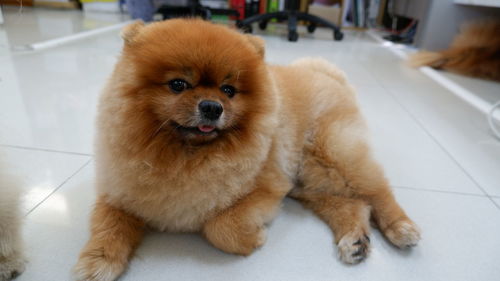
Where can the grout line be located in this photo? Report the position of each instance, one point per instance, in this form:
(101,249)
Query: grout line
(45,149)
(400,54)
(440,145)
(70,38)
(495,202)
(58,187)
(440,191)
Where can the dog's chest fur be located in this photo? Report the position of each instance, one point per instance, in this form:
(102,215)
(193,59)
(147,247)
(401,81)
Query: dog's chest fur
(178,200)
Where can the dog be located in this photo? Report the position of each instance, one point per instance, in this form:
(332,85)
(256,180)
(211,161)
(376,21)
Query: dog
(475,52)
(196,133)
(12,261)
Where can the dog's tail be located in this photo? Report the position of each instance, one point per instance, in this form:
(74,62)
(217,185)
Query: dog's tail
(475,62)
(432,59)
(475,51)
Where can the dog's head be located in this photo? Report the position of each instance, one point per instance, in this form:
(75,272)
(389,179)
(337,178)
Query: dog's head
(192,81)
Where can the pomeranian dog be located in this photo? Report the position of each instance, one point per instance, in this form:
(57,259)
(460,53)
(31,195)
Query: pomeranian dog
(12,261)
(475,52)
(196,133)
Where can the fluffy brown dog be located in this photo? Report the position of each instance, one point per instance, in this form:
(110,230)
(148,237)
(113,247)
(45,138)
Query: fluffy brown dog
(475,51)
(12,260)
(197,133)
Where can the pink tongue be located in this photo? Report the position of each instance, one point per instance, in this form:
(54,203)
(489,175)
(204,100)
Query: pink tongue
(206,129)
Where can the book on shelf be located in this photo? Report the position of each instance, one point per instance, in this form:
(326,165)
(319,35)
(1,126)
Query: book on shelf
(303,5)
(263,6)
(251,8)
(346,9)
(361,13)
(238,5)
(381,11)
(248,8)
(254,8)
(273,6)
(373,9)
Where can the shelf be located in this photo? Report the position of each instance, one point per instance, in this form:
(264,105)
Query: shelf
(487,3)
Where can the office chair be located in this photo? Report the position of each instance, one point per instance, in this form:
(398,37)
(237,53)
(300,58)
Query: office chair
(293,15)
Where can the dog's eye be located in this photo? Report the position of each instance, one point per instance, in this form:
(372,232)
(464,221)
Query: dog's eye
(178,85)
(229,90)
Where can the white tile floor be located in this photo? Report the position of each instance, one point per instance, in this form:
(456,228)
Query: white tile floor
(44,24)
(436,150)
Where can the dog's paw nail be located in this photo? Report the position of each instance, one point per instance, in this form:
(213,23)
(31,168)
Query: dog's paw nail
(358,253)
(367,237)
(354,247)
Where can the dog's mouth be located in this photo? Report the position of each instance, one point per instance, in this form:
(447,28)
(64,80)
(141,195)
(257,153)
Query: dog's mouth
(206,128)
(200,130)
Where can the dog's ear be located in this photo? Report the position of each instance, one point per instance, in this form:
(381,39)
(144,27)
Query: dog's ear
(258,43)
(130,31)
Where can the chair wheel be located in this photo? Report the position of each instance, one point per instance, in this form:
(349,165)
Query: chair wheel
(263,25)
(247,28)
(293,36)
(311,28)
(338,35)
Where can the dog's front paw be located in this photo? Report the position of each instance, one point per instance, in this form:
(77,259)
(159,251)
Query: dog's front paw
(234,234)
(95,265)
(403,233)
(11,267)
(354,246)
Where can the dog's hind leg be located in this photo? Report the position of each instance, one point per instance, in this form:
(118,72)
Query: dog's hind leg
(348,218)
(338,164)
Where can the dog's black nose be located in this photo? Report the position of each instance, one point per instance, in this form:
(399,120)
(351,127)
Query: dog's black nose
(211,110)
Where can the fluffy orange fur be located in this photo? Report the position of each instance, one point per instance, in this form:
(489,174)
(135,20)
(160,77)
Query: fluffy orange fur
(475,52)
(12,261)
(289,130)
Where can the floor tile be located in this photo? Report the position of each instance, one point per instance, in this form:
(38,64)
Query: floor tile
(29,25)
(462,131)
(410,157)
(39,173)
(497,200)
(485,89)
(57,230)
(53,94)
(299,246)
(455,125)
